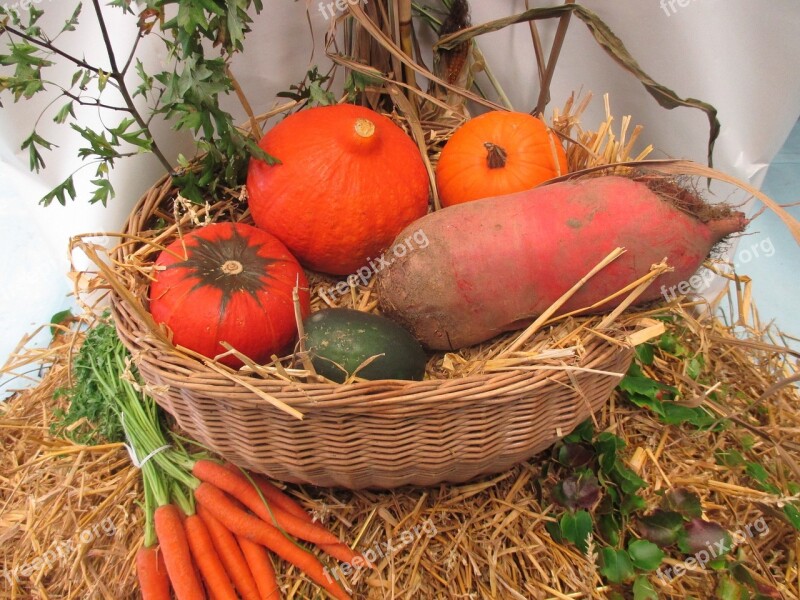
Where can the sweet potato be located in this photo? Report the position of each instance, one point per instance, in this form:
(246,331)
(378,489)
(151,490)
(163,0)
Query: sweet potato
(495,264)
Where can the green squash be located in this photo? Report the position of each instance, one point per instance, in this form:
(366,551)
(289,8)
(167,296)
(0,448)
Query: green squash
(340,340)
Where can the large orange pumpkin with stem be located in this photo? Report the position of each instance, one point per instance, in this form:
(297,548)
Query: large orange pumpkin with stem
(498,153)
(349,180)
(229,282)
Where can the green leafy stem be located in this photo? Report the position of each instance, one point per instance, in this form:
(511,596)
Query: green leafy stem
(188,94)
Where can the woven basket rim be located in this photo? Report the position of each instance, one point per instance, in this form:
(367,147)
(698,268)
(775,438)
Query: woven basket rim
(342,395)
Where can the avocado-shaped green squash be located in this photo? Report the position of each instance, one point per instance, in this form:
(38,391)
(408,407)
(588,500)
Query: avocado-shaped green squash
(340,340)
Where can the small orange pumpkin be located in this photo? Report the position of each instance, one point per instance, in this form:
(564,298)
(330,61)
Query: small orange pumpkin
(498,153)
(349,180)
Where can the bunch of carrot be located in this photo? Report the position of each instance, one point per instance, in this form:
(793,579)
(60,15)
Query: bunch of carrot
(216,542)
(210,529)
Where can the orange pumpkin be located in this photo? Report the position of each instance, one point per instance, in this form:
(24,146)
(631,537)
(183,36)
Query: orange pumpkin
(228,282)
(498,153)
(349,180)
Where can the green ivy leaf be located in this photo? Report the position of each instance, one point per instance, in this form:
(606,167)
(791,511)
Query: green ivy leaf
(577,491)
(645,354)
(627,479)
(729,458)
(609,527)
(699,535)
(575,455)
(554,529)
(576,528)
(58,319)
(728,589)
(645,555)
(694,367)
(662,527)
(616,566)
(582,433)
(793,515)
(670,344)
(683,501)
(643,589)
(632,503)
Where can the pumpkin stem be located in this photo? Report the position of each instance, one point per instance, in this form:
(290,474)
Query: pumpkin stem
(232,267)
(365,128)
(496,157)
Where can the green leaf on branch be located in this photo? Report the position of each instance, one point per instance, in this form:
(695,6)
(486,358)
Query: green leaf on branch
(103,191)
(65,111)
(60,192)
(71,23)
(32,143)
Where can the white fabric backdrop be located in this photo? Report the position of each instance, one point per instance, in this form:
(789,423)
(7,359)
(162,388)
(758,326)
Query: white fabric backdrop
(738,55)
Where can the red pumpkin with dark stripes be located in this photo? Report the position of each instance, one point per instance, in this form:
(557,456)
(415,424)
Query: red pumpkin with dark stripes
(228,282)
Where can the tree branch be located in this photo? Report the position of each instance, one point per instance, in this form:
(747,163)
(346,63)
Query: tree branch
(48,46)
(123,88)
(132,54)
(93,102)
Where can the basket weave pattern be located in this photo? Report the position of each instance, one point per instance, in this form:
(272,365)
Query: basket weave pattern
(381,434)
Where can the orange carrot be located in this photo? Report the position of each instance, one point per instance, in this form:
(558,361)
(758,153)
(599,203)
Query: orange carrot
(261,567)
(261,532)
(205,555)
(152,574)
(237,486)
(177,557)
(230,554)
(283,502)
(275,496)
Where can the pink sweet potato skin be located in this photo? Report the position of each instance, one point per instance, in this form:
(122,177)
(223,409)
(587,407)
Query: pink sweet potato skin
(495,264)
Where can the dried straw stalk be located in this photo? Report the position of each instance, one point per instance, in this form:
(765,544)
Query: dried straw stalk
(489,539)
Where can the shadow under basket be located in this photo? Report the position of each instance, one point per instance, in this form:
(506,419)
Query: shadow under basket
(379,434)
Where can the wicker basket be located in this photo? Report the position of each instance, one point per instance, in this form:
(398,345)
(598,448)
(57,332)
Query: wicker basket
(380,434)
